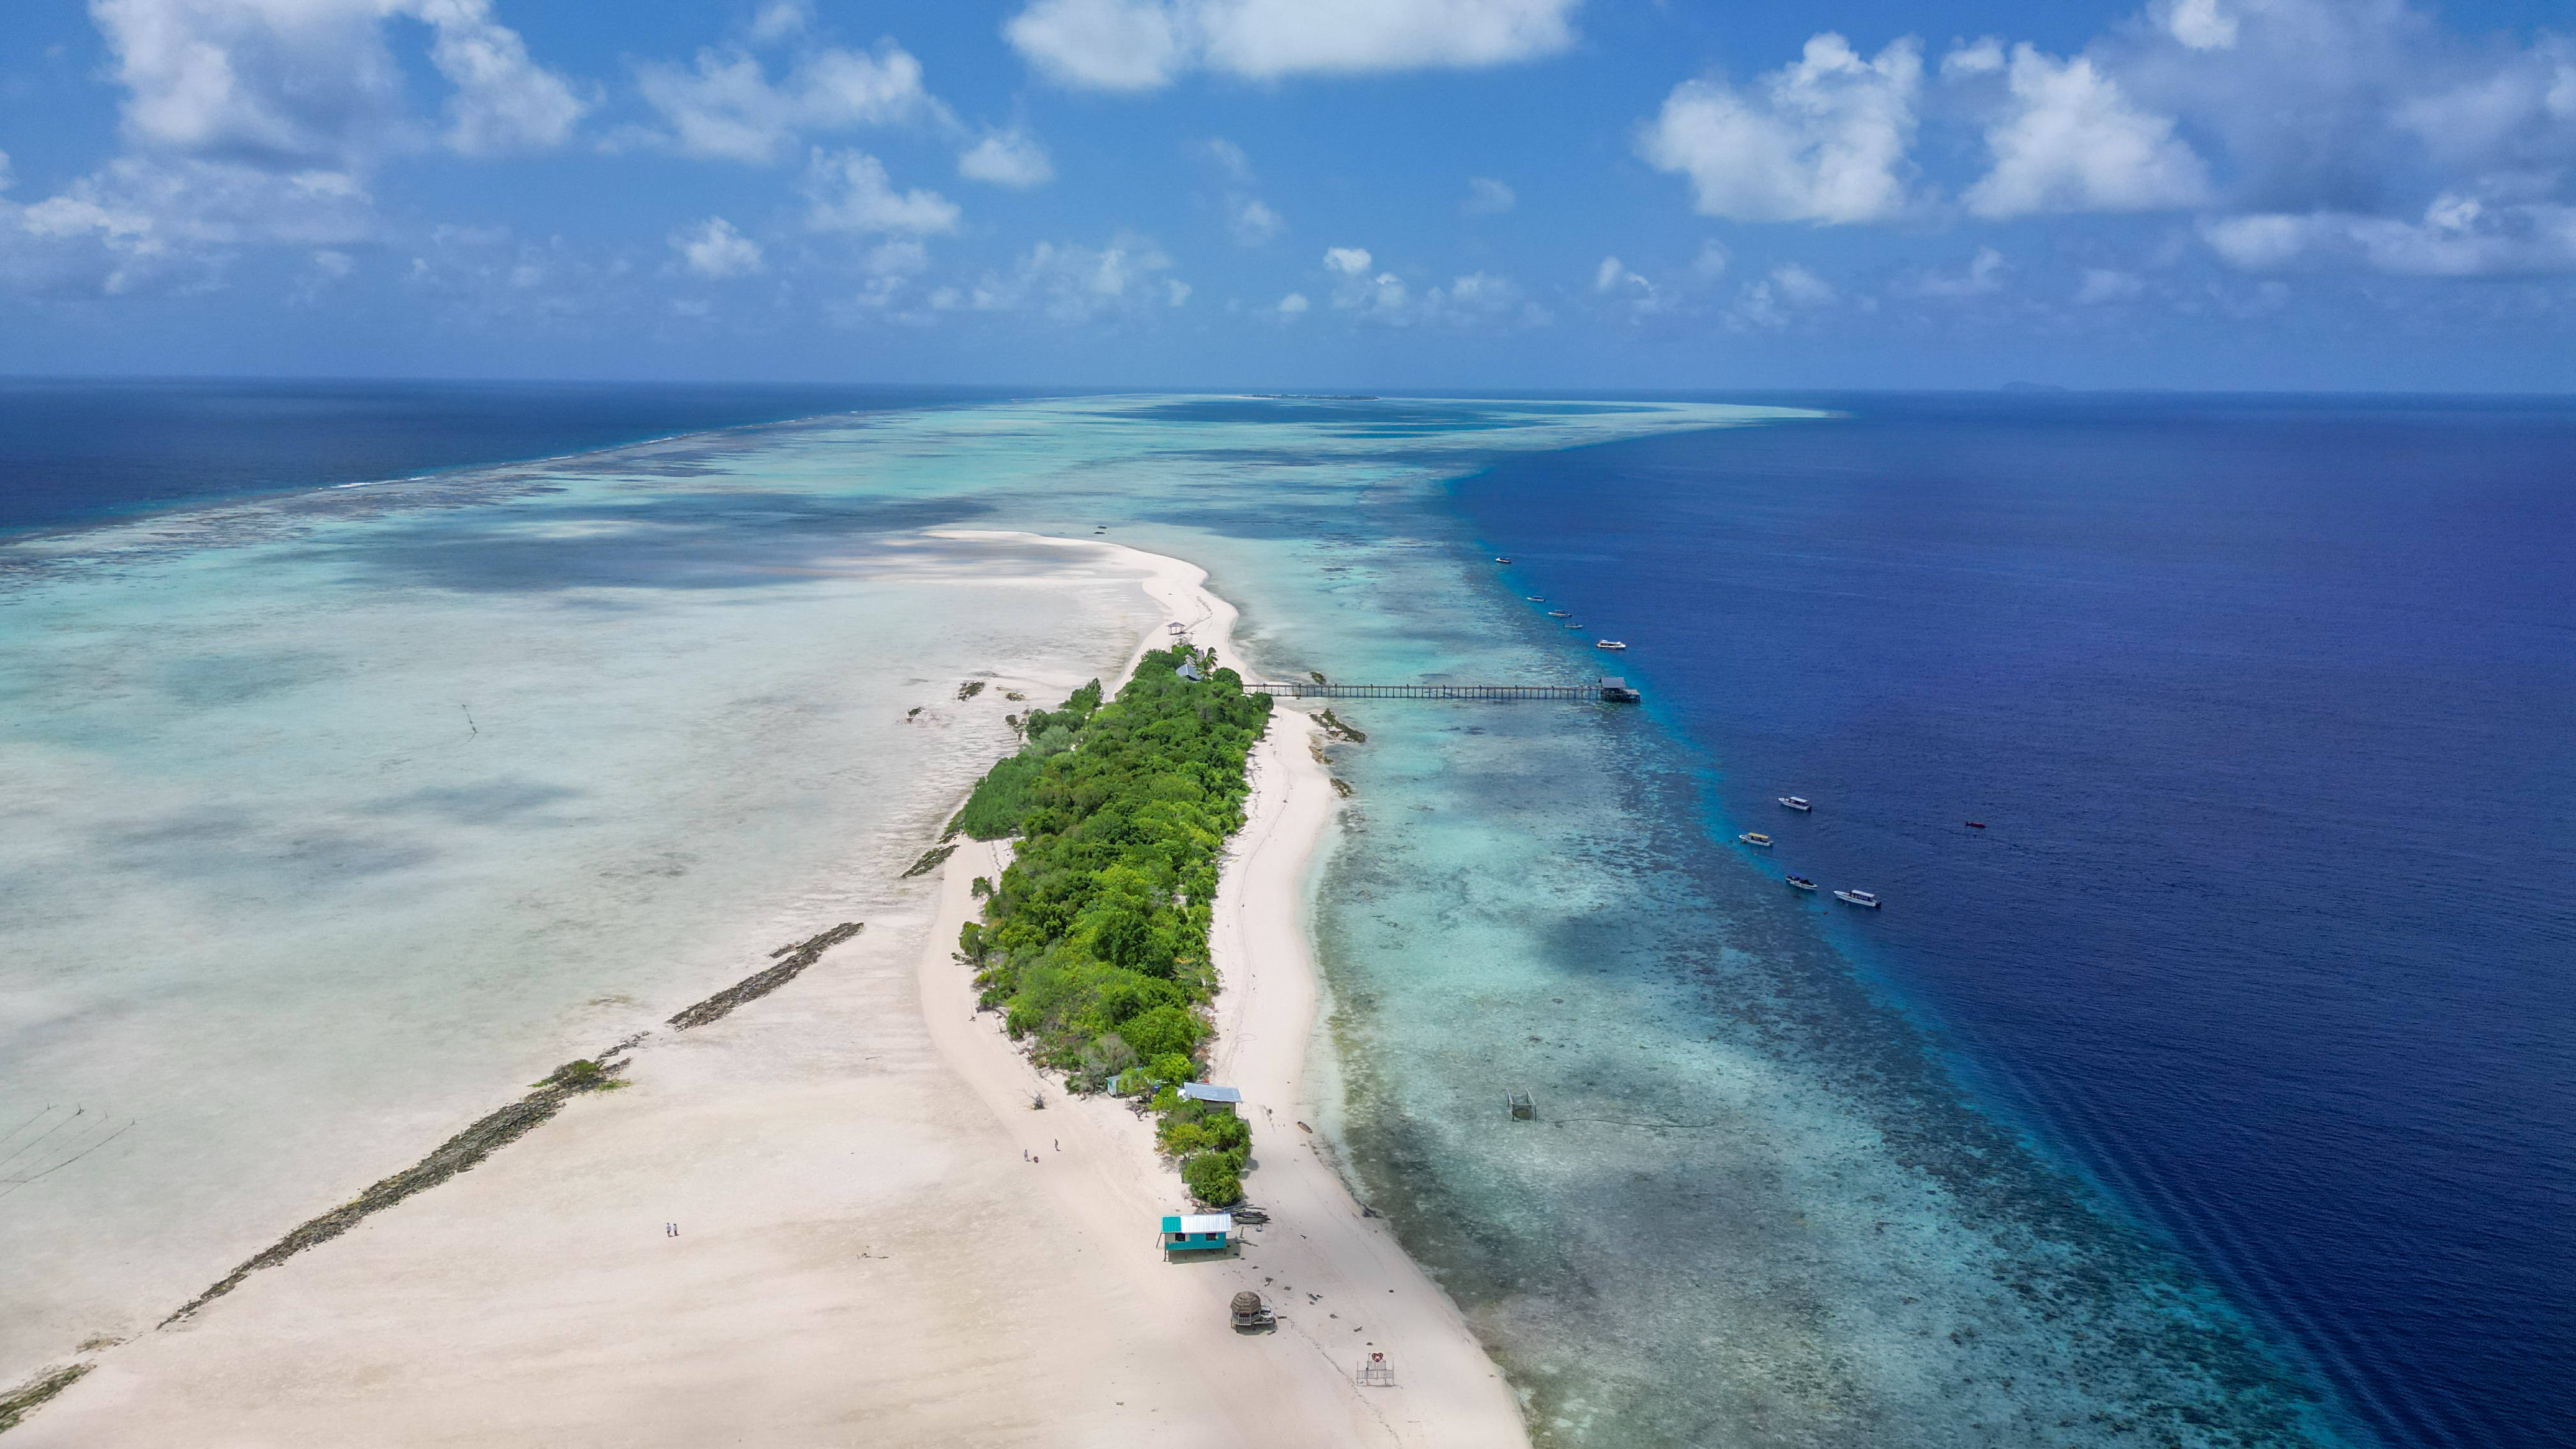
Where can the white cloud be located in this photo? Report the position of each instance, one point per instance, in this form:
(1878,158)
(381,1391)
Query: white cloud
(1007,158)
(300,83)
(1769,304)
(1487,197)
(1293,305)
(1799,287)
(1176,293)
(1229,156)
(1612,273)
(728,109)
(1252,221)
(157,225)
(1072,283)
(1985,57)
(2072,141)
(1823,140)
(714,249)
(2201,25)
(850,192)
(1984,275)
(1481,302)
(779,20)
(1382,296)
(2458,236)
(1136,45)
(1711,263)
(897,257)
(504,101)
(2108,284)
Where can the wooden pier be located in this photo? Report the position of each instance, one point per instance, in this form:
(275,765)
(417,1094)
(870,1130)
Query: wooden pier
(1614,691)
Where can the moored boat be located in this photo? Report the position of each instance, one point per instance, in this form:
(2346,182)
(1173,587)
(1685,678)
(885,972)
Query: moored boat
(1608,644)
(1801,883)
(1796,802)
(1857,898)
(1558,614)
(1755,837)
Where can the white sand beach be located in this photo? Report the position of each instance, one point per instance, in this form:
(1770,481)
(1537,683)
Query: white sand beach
(878,1239)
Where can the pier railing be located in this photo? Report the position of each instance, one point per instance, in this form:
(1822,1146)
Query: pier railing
(1296,689)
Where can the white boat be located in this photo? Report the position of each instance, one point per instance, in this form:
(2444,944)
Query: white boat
(1608,644)
(1800,882)
(1558,614)
(1796,802)
(1755,837)
(1857,898)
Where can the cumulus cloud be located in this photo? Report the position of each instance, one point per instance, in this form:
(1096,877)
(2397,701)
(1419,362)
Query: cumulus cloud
(261,122)
(1481,302)
(1823,140)
(727,108)
(1293,305)
(1252,221)
(780,20)
(2458,236)
(1230,157)
(1356,289)
(1771,303)
(503,101)
(714,249)
(1007,158)
(1984,274)
(303,83)
(1138,45)
(849,191)
(2200,25)
(1072,283)
(2072,141)
(143,224)
(1487,197)
(2108,284)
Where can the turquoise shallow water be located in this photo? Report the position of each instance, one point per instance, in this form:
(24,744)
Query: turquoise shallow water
(1752,1210)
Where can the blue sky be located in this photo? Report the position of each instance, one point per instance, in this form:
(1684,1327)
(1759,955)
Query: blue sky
(1297,193)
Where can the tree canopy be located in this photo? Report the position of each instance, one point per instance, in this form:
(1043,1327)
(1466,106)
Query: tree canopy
(1094,943)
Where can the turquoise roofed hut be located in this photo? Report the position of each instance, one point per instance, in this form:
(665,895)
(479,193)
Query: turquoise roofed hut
(1198,1232)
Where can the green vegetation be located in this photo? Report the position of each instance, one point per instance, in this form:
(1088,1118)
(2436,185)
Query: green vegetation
(30,1396)
(1094,943)
(582,1075)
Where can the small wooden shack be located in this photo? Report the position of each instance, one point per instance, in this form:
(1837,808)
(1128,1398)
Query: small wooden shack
(1198,1232)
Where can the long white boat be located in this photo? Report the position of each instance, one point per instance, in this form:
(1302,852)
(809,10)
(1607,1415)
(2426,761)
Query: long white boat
(1857,898)
(1608,644)
(1796,802)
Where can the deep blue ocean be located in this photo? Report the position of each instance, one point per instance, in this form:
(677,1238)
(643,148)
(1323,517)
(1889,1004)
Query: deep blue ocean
(74,451)
(2268,707)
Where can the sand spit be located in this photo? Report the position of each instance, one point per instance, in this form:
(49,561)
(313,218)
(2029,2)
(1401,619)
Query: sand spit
(833,1217)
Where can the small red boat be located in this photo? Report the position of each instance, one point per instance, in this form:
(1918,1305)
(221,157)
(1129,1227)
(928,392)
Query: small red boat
(1976,825)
